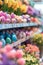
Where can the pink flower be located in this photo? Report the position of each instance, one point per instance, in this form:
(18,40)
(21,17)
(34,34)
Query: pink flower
(8,20)
(11,54)
(21,61)
(8,16)
(12,15)
(0,56)
(0,44)
(3,50)
(1,12)
(19,54)
(13,20)
(3,19)
(8,47)
(0,19)
(26,49)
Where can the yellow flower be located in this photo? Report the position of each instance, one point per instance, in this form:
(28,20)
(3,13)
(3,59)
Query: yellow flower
(33,59)
(9,3)
(23,8)
(6,1)
(15,5)
(13,1)
(40,41)
(1,2)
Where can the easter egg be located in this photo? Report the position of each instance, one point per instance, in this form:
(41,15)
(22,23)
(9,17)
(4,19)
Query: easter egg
(3,42)
(3,34)
(8,40)
(2,37)
(14,37)
(8,35)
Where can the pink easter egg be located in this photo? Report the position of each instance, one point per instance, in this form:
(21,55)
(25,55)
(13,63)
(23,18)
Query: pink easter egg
(8,47)
(0,44)
(21,61)
(19,54)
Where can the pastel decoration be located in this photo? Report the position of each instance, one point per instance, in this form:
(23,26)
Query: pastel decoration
(3,42)
(8,35)
(8,40)
(14,37)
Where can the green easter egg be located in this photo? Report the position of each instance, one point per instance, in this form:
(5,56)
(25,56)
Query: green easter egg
(8,40)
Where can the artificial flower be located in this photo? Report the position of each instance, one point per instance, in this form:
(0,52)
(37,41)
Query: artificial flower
(1,2)
(21,61)
(6,1)
(9,3)
(23,8)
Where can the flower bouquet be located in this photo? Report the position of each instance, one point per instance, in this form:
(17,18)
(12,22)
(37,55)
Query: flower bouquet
(30,54)
(38,40)
(10,56)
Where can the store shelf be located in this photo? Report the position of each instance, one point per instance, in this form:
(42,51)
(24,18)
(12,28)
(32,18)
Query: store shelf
(25,39)
(16,25)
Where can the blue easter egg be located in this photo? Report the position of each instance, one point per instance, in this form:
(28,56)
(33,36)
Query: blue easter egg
(4,42)
(2,37)
(8,35)
(14,37)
